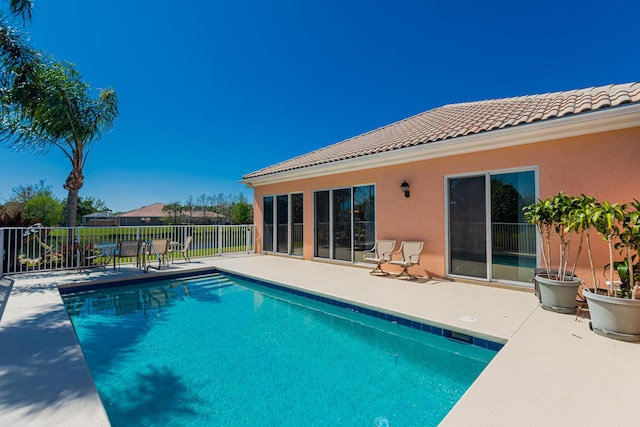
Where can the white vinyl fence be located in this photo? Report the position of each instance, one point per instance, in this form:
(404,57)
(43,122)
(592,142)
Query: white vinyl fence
(36,248)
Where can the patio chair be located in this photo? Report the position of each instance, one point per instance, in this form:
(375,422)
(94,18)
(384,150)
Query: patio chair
(410,256)
(184,249)
(89,256)
(157,247)
(127,249)
(380,253)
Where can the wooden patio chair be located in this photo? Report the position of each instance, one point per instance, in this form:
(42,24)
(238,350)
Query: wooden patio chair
(380,253)
(410,256)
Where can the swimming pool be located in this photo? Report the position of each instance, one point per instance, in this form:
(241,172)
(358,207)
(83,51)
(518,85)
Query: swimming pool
(224,350)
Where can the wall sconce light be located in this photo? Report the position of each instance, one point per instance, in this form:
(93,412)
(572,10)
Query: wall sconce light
(405,188)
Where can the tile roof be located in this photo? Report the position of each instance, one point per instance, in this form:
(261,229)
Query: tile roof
(155,211)
(467,118)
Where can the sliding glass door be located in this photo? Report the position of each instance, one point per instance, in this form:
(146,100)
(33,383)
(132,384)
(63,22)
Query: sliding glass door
(344,222)
(341,217)
(297,225)
(284,214)
(364,220)
(282,218)
(468,227)
(513,242)
(267,223)
(321,230)
(488,238)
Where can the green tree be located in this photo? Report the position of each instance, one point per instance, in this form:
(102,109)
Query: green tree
(223,205)
(174,209)
(23,193)
(190,207)
(212,205)
(44,209)
(86,206)
(55,108)
(202,206)
(242,212)
(89,205)
(505,200)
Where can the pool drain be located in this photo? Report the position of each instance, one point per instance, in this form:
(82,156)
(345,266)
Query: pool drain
(381,422)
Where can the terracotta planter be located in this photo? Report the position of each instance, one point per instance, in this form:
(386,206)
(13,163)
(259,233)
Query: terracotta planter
(558,295)
(617,318)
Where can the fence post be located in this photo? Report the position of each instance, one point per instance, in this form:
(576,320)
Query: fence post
(219,240)
(2,254)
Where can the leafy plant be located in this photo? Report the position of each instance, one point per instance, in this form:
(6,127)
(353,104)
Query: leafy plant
(618,224)
(628,244)
(555,215)
(580,220)
(607,219)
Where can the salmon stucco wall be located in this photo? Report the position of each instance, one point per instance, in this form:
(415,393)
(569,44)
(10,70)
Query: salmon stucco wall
(603,165)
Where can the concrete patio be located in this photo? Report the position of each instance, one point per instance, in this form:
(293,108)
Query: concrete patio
(552,370)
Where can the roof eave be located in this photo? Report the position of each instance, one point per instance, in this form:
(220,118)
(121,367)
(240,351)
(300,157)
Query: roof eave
(622,117)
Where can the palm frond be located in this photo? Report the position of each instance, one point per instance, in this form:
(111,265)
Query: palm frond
(21,9)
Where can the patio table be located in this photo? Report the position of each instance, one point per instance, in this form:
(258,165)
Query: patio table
(108,250)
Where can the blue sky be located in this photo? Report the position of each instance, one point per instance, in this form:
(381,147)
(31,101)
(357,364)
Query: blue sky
(211,90)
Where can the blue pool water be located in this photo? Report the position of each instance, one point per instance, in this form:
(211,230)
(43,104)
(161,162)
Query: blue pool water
(220,350)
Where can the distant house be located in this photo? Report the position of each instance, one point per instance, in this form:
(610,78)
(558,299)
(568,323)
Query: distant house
(154,215)
(100,219)
(456,178)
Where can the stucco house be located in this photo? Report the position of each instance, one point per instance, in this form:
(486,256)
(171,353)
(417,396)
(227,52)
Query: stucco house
(154,215)
(100,219)
(470,167)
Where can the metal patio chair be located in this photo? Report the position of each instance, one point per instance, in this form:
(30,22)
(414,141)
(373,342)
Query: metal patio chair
(380,253)
(183,249)
(410,256)
(128,249)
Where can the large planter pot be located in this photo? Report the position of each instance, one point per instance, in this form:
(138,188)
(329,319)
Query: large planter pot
(617,318)
(558,295)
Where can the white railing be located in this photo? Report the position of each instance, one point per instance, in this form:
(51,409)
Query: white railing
(514,237)
(507,237)
(35,248)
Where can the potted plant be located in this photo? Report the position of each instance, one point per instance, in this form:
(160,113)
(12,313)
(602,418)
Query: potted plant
(617,314)
(554,219)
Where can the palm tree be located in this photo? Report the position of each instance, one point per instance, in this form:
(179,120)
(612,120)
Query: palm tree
(55,108)
(45,103)
(14,52)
